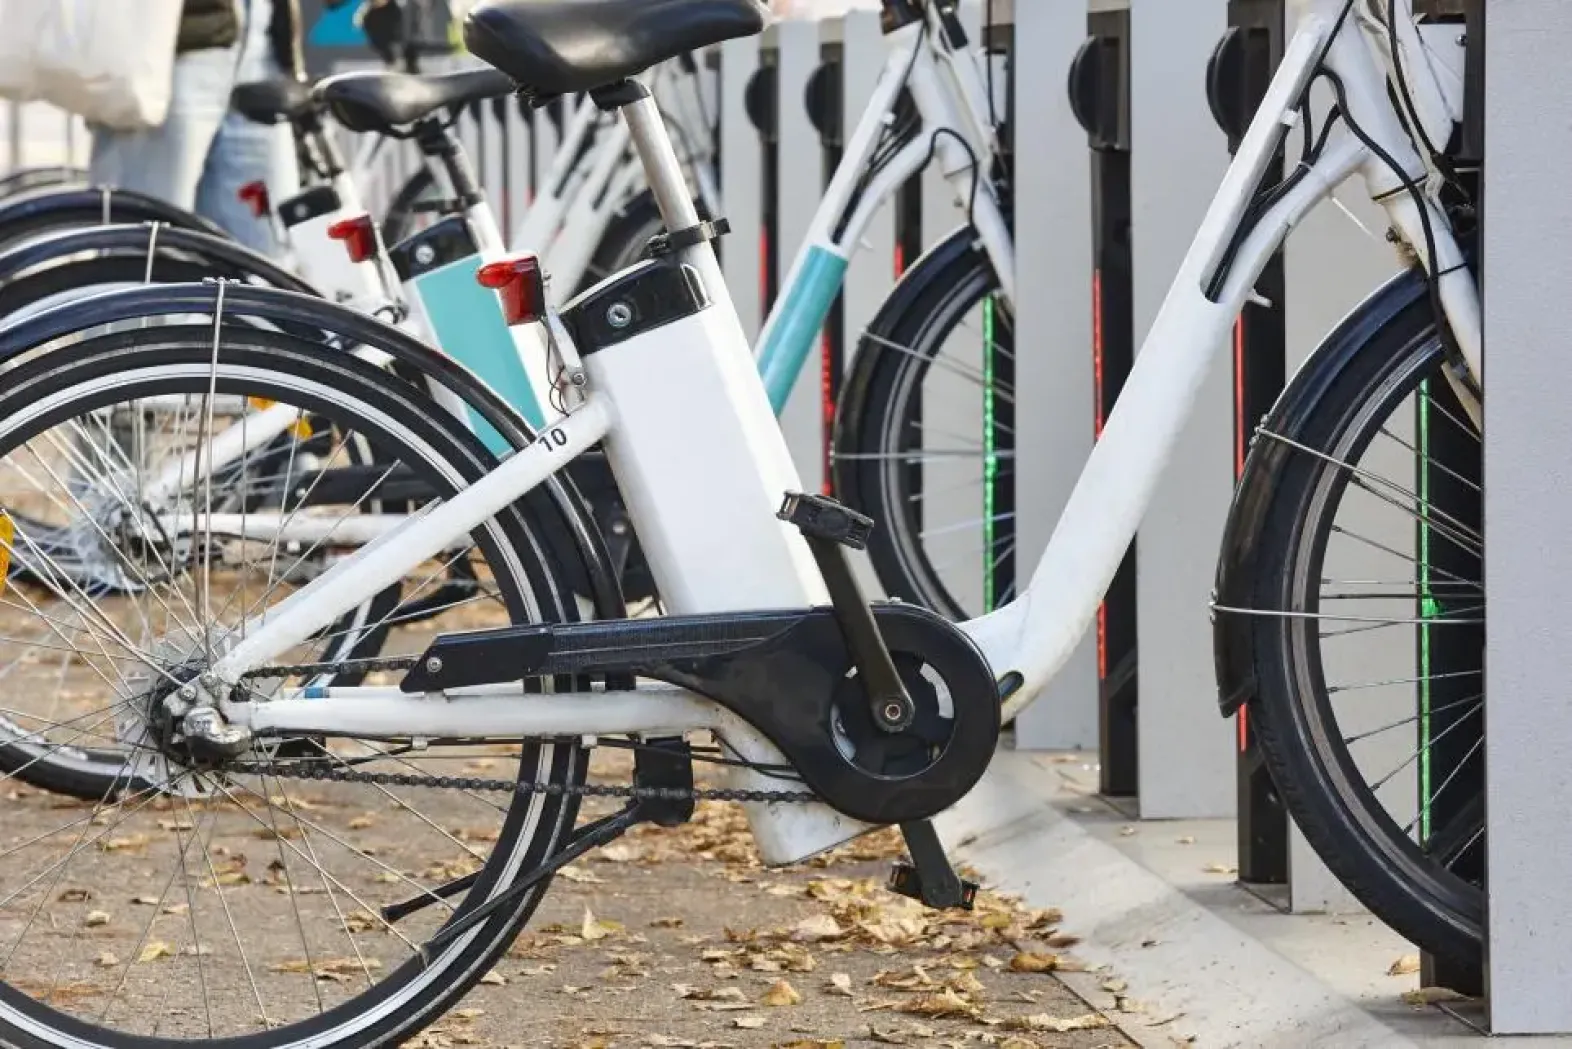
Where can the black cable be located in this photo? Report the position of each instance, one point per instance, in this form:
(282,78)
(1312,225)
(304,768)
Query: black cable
(933,146)
(891,138)
(1252,214)
(1416,126)
(1433,283)
(1310,152)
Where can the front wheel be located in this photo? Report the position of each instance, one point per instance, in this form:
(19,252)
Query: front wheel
(1366,613)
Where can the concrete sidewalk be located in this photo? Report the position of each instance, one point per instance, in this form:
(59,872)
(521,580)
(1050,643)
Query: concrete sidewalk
(1157,904)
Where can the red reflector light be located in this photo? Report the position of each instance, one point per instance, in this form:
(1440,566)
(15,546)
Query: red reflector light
(254,196)
(359,237)
(518,284)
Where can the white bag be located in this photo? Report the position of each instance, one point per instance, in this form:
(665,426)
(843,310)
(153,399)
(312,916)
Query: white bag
(108,61)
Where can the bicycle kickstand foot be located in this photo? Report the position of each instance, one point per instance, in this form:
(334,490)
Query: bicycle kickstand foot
(929,877)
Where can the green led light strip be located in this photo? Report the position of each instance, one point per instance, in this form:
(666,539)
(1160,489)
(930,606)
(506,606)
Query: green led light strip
(990,463)
(1428,609)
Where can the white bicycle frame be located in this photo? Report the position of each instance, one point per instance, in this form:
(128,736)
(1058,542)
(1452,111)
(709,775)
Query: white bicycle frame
(725,431)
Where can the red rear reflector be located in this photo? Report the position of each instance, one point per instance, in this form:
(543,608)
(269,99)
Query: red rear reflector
(518,284)
(254,196)
(359,237)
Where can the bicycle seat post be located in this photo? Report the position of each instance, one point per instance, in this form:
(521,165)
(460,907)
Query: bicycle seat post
(667,182)
(436,139)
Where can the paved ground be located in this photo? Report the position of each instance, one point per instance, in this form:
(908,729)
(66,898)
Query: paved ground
(691,943)
(666,938)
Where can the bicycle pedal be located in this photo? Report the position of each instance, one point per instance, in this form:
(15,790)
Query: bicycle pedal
(929,878)
(820,517)
(907,880)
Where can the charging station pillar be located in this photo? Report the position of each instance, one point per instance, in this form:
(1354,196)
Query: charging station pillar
(1186,767)
(1054,328)
(1528,513)
(1100,98)
(1236,80)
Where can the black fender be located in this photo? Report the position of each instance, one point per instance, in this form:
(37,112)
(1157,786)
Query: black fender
(1233,647)
(557,500)
(920,281)
(85,256)
(53,207)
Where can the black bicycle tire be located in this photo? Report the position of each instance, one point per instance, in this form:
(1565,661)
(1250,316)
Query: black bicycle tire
(1316,777)
(953,273)
(279,352)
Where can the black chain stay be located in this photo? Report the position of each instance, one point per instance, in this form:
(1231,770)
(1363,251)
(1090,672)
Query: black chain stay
(304,770)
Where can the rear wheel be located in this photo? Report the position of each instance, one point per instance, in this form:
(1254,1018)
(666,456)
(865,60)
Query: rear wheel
(197,957)
(1368,628)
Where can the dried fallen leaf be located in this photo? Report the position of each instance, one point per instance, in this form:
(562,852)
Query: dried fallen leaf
(618,852)
(840,984)
(965,983)
(1015,1041)
(494,979)
(154,950)
(945,1003)
(230,872)
(812,1043)
(336,970)
(592,928)
(1029,962)
(916,980)
(95,919)
(1060,1024)
(666,923)
(701,994)
(817,928)
(1186,840)
(579,875)
(665,1040)
(125,843)
(1126,831)
(1115,986)
(145,901)
(749,1022)
(1408,963)
(175,908)
(106,960)
(1220,868)
(1045,918)
(1430,995)
(779,994)
(75,896)
(886,1036)
(1063,939)
(362,822)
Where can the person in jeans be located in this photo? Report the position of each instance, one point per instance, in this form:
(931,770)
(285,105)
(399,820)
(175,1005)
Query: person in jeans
(203,152)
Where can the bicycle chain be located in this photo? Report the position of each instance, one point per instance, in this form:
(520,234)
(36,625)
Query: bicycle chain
(480,783)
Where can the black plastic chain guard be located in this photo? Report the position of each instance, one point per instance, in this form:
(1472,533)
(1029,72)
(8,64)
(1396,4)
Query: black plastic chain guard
(777,670)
